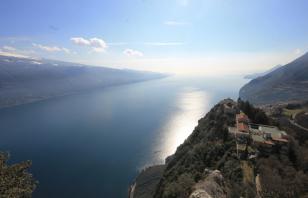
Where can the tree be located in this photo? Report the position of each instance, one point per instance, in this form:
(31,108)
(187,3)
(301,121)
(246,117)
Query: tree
(15,181)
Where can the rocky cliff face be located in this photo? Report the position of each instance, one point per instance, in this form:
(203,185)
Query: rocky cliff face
(213,185)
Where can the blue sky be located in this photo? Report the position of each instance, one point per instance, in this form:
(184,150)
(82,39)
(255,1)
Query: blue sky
(182,36)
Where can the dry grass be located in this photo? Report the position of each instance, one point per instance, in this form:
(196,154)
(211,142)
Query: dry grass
(291,113)
(248,173)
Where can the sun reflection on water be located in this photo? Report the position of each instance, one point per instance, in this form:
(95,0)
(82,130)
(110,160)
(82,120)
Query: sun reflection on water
(190,106)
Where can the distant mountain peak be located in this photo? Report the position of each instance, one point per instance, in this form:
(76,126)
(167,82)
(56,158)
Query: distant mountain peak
(286,83)
(256,75)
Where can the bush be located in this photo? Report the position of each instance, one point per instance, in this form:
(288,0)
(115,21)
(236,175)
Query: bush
(15,181)
(181,188)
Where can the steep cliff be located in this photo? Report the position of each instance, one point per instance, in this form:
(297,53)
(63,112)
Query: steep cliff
(208,163)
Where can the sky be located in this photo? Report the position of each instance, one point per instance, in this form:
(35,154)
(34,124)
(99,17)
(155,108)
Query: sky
(176,36)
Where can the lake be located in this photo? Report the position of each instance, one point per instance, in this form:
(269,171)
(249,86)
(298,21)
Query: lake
(94,143)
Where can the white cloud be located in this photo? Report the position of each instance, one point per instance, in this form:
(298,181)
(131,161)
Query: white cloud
(51,48)
(65,50)
(297,51)
(80,41)
(97,49)
(97,44)
(36,62)
(175,23)
(132,53)
(164,43)
(9,48)
(12,53)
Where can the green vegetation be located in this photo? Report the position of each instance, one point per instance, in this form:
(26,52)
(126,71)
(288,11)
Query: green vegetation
(209,146)
(256,115)
(15,181)
(282,171)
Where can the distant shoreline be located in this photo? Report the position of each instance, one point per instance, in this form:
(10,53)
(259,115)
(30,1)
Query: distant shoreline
(35,100)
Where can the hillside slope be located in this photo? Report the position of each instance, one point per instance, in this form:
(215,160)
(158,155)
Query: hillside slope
(24,80)
(287,83)
(207,164)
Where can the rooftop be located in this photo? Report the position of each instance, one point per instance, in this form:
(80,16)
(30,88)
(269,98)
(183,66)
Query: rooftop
(242,117)
(263,134)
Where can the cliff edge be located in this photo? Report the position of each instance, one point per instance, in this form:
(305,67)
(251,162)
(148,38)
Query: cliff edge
(269,159)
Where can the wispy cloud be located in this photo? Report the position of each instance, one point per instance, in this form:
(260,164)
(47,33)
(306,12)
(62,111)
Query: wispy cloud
(80,41)
(175,23)
(297,51)
(132,53)
(9,48)
(97,44)
(164,43)
(8,51)
(51,48)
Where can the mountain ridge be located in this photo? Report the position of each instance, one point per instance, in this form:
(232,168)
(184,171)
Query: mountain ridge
(256,75)
(25,80)
(285,84)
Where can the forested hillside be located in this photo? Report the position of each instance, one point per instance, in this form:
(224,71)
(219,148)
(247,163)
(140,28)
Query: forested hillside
(210,152)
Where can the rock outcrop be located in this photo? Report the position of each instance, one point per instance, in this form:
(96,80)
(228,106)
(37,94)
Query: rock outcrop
(210,187)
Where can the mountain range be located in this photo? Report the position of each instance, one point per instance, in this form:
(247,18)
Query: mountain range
(24,80)
(284,84)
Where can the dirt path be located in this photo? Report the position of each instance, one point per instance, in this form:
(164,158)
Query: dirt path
(297,125)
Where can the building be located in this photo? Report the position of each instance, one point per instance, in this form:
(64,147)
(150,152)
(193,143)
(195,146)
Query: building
(242,121)
(264,136)
(242,125)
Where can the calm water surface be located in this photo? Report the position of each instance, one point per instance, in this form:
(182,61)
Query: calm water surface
(93,144)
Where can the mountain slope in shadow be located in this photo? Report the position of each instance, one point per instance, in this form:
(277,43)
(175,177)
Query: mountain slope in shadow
(287,83)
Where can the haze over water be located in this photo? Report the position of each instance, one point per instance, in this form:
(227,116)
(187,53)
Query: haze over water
(93,144)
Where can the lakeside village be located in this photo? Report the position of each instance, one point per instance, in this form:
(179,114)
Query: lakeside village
(254,139)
